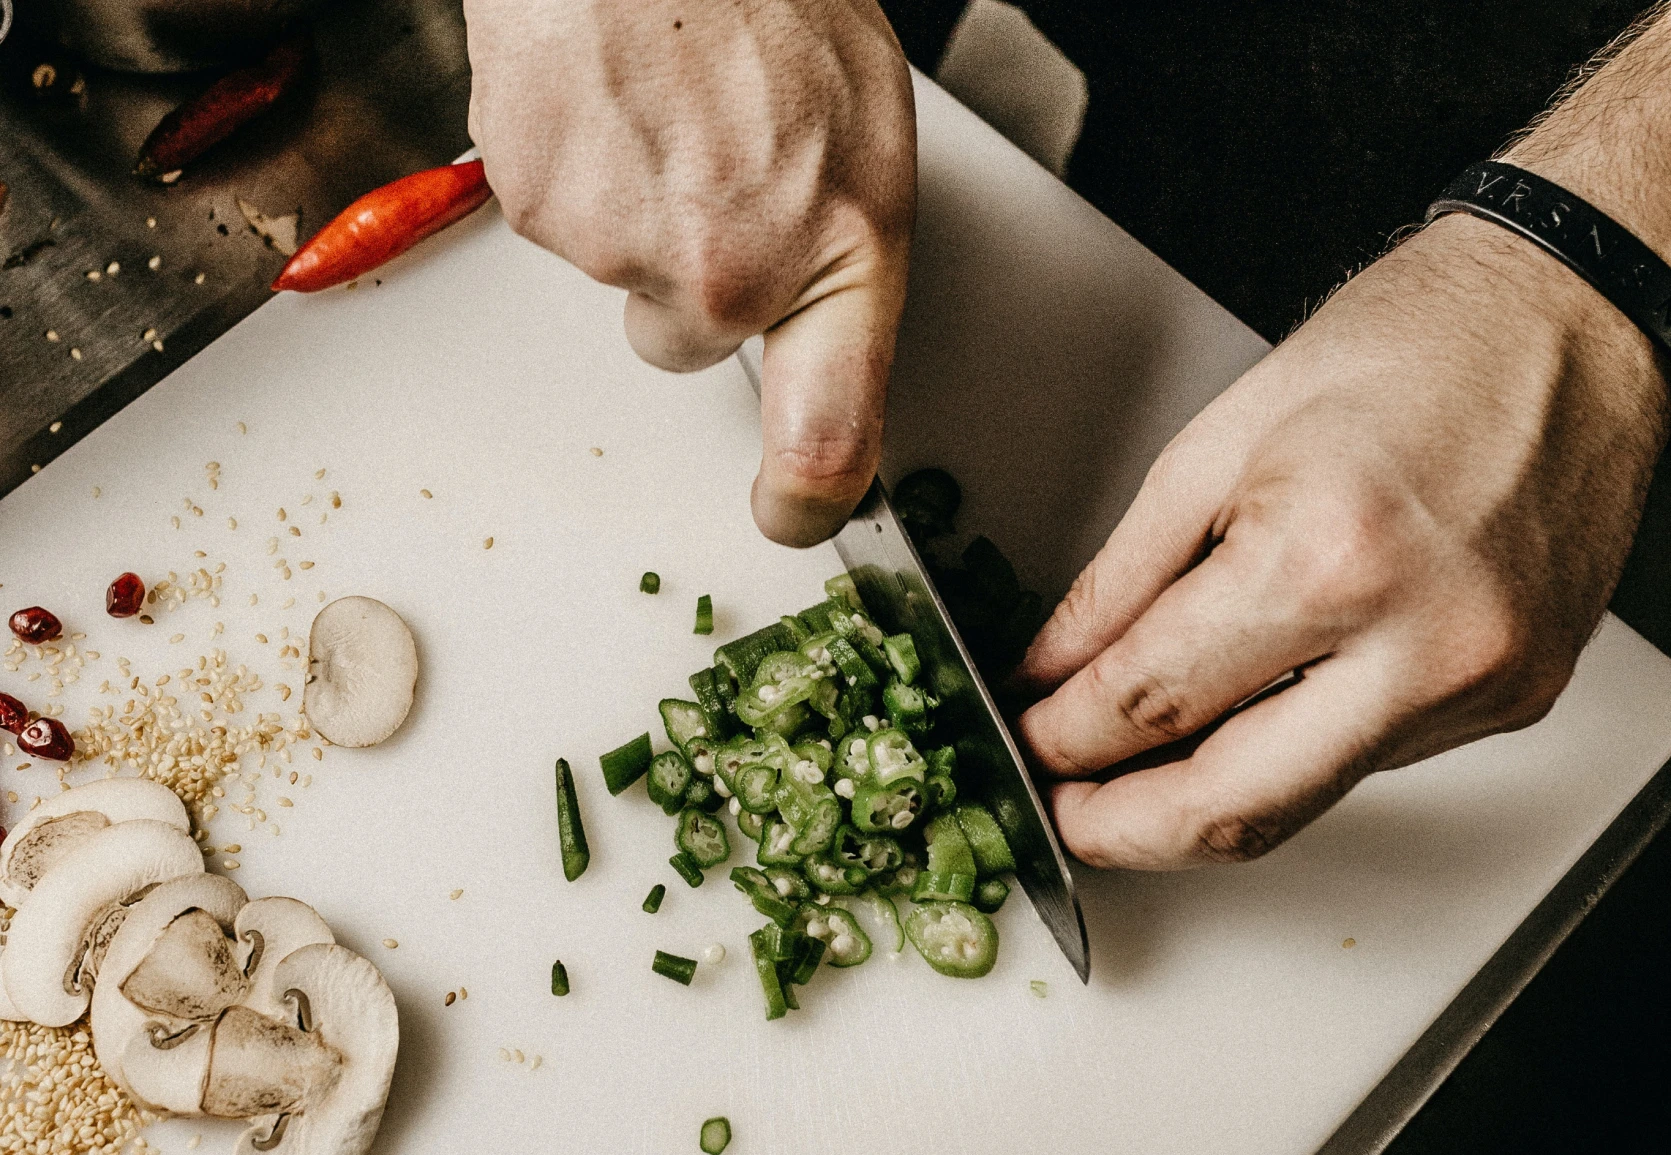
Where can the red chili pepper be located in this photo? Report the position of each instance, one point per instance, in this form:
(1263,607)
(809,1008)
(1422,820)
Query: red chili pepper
(385,223)
(219,110)
(14,715)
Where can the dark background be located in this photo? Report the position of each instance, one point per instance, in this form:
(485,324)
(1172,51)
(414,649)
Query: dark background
(1266,150)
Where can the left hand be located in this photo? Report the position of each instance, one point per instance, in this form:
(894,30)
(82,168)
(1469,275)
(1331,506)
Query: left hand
(1422,500)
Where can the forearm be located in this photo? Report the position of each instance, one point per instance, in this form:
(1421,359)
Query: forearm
(1608,140)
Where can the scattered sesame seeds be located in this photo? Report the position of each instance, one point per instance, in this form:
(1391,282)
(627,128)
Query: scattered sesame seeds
(198,280)
(596,452)
(390,943)
(157,345)
(488,544)
(56,1097)
(1349,943)
(425,493)
(55,427)
(154,263)
(176,639)
(449,1000)
(457,894)
(75,354)
(231,523)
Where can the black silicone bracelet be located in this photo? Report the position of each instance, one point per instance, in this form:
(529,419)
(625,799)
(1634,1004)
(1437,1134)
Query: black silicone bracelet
(1579,235)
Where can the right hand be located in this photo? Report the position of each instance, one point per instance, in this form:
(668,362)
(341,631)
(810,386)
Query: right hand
(739,168)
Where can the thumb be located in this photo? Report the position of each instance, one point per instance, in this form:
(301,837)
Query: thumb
(824,384)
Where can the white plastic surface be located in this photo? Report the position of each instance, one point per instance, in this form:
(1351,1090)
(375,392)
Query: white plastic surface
(1046,359)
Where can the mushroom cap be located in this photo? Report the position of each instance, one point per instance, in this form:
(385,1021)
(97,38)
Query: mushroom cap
(354,1011)
(116,1021)
(55,826)
(362,670)
(8,1012)
(284,925)
(109,867)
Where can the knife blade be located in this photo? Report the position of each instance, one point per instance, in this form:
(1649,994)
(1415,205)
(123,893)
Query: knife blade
(901,597)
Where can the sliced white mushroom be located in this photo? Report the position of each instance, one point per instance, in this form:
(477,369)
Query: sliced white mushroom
(56,940)
(267,930)
(362,669)
(339,997)
(62,822)
(117,1021)
(168,1069)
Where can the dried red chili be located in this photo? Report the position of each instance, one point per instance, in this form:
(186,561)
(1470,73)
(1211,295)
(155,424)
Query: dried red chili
(47,738)
(221,109)
(385,223)
(36,625)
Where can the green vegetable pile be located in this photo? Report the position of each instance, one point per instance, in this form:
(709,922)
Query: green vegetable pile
(816,736)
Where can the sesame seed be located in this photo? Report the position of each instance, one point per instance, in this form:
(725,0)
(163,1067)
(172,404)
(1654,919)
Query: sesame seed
(285,802)
(112,269)
(519,1057)
(535,1065)
(230,863)
(425,493)
(234,848)
(154,263)
(242,428)
(488,544)
(52,334)
(462,993)
(94,275)
(319,475)
(1349,943)
(97,491)
(295,531)
(231,523)
(448,1001)
(504,1054)
(148,335)
(390,943)
(55,427)
(318,754)
(281,513)
(177,638)
(457,894)
(75,354)
(197,280)
(157,345)
(596,452)
(336,501)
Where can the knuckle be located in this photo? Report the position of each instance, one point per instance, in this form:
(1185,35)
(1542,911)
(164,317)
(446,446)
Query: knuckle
(826,464)
(1236,838)
(1147,702)
(1348,562)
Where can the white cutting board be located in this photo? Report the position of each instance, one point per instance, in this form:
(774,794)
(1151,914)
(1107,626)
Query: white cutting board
(1046,359)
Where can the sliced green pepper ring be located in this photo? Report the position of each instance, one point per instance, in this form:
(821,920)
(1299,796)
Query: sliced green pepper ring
(775,842)
(953,937)
(892,757)
(872,853)
(848,944)
(703,837)
(815,835)
(832,877)
(757,788)
(752,825)
(886,809)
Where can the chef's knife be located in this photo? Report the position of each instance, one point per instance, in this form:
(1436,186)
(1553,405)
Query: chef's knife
(901,597)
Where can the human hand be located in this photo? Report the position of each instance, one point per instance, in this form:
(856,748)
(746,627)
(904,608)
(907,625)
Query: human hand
(738,168)
(1422,500)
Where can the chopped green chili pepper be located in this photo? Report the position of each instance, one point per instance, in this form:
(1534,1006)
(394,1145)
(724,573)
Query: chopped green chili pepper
(571,835)
(752,825)
(939,792)
(652,901)
(742,656)
(559,979)
(943,886)
(703,837)
(650,583)
(842,588)
(886,809)
(626,764)
(806,961)
(789,884)
(817,618)
(766,968)
(716,1134)
(888,914)
(796,627)
(704,615)
(848,944)
(715,716)
(776,842)
(854,668)
(908,708)
(990,895)
(872,853)
(763,895)
(942,760)
(892,757)
(863,637)
(686,867)
(680,970)
(986,840)
(953,937)
(668,781)
(832,877)
(818,753)
(757,788)
(901,653)
(781,680)
(815,834)
(701,794)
